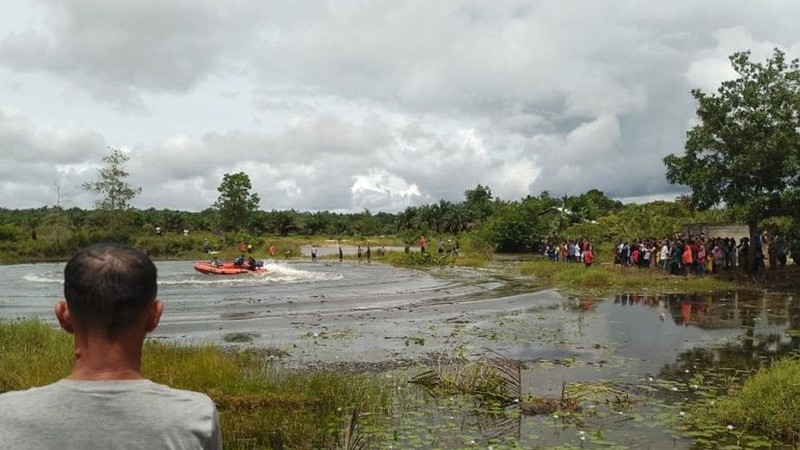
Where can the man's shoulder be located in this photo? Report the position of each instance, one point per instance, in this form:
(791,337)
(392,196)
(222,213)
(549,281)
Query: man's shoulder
(169,391)
(143,387)
(13,396)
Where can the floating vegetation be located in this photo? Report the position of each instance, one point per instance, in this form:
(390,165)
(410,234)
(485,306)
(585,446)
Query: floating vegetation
(493,378)
(240,337)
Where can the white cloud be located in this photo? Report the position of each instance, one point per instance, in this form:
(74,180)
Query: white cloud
(331,104)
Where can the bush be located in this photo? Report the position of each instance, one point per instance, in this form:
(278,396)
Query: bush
(413,259)
(9,233)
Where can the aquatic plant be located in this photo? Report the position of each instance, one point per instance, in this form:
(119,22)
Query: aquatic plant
(495,378)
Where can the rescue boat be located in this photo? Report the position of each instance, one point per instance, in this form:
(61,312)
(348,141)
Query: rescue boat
(226,268)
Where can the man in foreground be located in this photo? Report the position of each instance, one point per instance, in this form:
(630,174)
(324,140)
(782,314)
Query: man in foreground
(110,306)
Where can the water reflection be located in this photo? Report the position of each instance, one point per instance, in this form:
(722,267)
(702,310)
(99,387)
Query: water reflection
(769,324)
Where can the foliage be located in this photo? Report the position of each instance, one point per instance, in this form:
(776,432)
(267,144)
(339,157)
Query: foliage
(592,205)
(111,185)
(260,405)
(10,233)
(745,150)
(417,259)
(521,226)
(768,404)
(235,202)
(478,204)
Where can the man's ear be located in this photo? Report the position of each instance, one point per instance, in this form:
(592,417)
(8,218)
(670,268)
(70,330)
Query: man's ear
(64,317)
(154,316)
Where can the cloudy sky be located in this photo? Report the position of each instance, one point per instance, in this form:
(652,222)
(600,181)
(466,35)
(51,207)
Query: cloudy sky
(346,105)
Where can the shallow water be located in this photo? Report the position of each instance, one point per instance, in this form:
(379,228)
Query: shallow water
(651,348)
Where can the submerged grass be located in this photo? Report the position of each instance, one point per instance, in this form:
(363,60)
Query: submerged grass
(606,278)
(261,405)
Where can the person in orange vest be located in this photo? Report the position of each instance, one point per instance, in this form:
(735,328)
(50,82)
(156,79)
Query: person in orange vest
(687,259)
(422,244)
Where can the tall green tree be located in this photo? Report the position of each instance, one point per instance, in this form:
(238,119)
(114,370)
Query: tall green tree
(745,149)
(478,203)
(112,186)
(592,204)
(235,202)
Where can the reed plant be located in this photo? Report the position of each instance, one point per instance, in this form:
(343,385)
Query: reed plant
(261,404)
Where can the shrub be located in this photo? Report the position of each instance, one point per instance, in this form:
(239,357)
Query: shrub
(9,233)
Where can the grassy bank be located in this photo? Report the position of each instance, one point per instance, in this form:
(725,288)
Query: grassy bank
(762,411)
(604,278)
(261,405)
(768,404)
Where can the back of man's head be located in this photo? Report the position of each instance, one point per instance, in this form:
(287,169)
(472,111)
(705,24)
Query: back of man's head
(108,286)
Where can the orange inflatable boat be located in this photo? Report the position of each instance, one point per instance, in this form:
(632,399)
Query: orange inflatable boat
(227,268)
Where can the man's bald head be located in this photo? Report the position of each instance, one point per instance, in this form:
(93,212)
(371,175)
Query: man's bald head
(108,286)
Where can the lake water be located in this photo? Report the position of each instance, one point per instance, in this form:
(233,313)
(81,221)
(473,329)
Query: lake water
(372,316)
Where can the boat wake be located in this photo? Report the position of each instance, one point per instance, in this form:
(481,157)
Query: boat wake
(278,273)
(34,278)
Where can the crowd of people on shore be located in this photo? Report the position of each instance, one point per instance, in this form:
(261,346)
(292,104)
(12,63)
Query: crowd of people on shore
(682,254)
(581,251)
(699,254)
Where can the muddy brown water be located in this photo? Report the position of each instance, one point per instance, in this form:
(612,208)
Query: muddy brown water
(648,348)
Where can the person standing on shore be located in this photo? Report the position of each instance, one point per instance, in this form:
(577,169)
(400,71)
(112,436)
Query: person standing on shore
(588,256)
(422,244)
(110,307)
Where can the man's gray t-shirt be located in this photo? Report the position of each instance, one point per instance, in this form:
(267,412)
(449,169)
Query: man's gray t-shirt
(72,414)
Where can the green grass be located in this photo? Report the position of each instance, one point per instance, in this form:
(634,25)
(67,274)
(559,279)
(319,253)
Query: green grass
(419,260)
(607,278)
(768,404)
(261,405)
